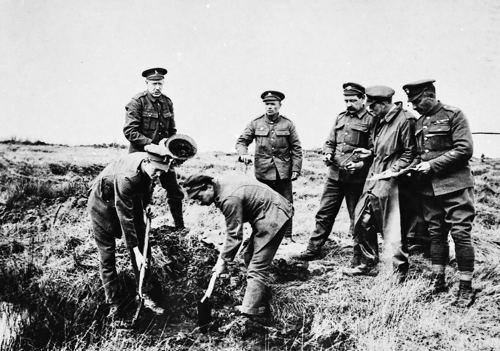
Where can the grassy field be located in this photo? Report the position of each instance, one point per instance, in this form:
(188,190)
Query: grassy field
(49,270)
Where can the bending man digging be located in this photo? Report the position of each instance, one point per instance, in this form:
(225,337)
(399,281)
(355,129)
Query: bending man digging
(241,200)
(119,196)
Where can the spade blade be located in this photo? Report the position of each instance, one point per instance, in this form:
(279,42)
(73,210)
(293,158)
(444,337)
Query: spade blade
(204,315)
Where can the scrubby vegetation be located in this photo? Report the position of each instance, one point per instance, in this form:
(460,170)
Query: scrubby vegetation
(49,270)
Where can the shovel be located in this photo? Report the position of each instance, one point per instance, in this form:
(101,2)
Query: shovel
(142,272)
(205,306)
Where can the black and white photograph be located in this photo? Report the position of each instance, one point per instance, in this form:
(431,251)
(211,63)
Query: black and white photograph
(249,175)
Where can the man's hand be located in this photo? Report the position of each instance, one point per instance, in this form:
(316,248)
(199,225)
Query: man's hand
(295,175)
(139,258)
(362,153)
(352,166)
(423,167)
(219,267)
(246,159)
(327,159)
(149,211)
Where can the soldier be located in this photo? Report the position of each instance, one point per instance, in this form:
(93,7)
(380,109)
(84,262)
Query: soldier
(346,174)
(118,198)
(242,200)
(444,149)
(278,154)
(378,209)
(149,118)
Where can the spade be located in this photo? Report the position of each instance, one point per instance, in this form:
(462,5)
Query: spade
(205,306)
(142,271)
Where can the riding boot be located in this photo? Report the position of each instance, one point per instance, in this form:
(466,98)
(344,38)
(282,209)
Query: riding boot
(176,212)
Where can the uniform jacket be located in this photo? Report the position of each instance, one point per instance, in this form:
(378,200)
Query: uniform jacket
(148,120)
(394,145)
(121,190)
(445,141)
(349,132)
(277,147)
(246,200)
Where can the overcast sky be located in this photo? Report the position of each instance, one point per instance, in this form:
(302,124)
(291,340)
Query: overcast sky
(68,67)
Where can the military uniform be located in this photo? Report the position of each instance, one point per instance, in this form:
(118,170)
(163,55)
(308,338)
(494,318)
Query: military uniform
(278,152)
(445,141)
(242,200)
(116,205)
(349,132)
(277,148)
(444,149)
(379,208)
(147,121)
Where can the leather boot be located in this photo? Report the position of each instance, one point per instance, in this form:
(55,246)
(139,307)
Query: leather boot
(465,296)
(176,212)
(438,284)
(356,257)
(308,255)
(362,269)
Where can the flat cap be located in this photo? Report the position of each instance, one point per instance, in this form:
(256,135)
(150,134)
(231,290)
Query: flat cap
(415,89)
(157,73)
(378,92)
(272,95)
(351,88)
(195,183)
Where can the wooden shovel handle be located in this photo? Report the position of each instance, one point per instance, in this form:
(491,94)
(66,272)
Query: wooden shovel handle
(210,288)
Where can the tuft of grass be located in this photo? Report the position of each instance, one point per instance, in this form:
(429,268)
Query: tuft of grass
(28,190)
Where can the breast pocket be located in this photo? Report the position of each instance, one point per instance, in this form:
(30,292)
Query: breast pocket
(167,120)
(262,142)
(149,120)
(438,137)
(262,131)
(282,136)
(358,135)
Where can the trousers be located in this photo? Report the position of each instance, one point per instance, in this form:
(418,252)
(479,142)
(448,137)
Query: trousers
(258,260)
(451,213)
(333,194)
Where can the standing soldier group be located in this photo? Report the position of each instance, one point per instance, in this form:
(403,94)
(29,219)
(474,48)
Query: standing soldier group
(380,158)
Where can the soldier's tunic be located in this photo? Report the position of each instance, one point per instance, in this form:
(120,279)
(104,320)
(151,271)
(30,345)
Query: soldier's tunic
(349,132)
(245,200)
(147,121)
(116,205)
(378,209)
(278,152)
(445,141)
